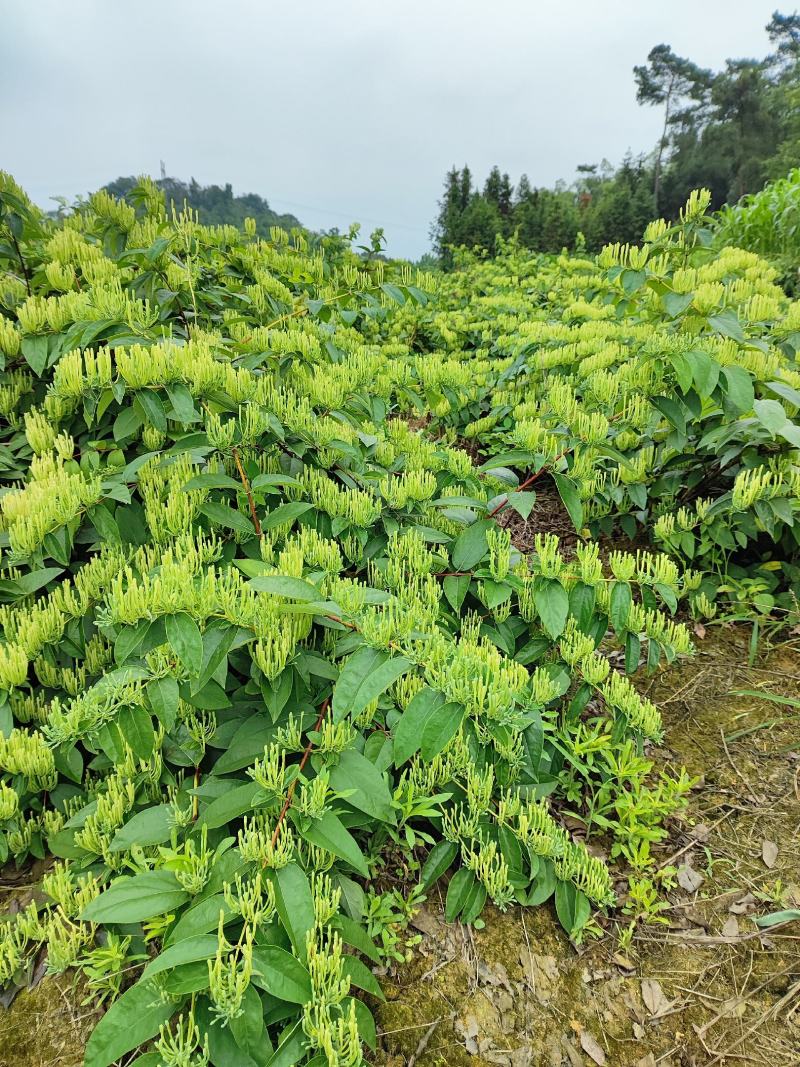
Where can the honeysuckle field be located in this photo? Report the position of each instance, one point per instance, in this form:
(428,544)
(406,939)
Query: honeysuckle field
(267,650)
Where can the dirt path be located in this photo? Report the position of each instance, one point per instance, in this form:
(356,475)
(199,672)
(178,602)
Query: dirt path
(709,987)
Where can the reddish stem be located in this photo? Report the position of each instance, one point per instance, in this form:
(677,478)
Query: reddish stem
(293,784)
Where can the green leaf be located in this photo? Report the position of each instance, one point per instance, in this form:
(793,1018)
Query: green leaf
(362,977)
(407,734)
(223,515)
(182,403)
(739,392)
(281,974)
(672,412)
(163,694)
(552,605)
(458,891)
(132,1019)
(185,640)
(771,414)
(35,351)
(294,903)
(285,514)
(727,323)
(455,588)
(568,491)
(676,303)
(134,898)
(189,950)
(621,601)
(149,827)
(330,833)
(365,675)
(522,503)
(283,585)
(366,786)
(136,727)
(776,917)
(152,409)
(440,858)
(440,727)
(470,546)
(241,800)
(572,907)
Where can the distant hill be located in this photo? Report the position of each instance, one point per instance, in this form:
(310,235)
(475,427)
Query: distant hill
(215,204)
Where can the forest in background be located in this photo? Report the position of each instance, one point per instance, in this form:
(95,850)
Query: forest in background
(728,131)
(216,205)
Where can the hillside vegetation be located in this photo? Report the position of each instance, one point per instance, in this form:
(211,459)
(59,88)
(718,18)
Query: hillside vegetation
(268,649)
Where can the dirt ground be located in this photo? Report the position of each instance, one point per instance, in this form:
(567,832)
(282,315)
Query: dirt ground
(707,988)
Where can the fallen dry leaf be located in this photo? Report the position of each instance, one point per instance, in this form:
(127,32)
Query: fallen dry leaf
(646,1061)
(623,962)
(743,905)
(769,853)
(730,927)
(689,879)
(592,1048)
(700,630)
(653,996)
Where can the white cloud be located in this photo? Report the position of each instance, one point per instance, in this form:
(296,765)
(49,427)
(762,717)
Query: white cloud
(353,109)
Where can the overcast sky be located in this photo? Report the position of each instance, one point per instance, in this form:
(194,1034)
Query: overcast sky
(337,110)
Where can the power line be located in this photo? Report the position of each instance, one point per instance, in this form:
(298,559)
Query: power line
(352,216)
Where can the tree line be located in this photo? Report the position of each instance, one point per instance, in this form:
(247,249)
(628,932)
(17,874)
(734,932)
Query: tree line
(216,205)
(729,131)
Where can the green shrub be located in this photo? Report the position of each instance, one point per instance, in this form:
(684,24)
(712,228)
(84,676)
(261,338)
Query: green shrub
(257,635)
(659,382)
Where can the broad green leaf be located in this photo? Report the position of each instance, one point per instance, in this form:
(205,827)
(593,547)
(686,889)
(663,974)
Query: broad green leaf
(771,414)
(461,885)
(572,907)
(440,858)
(285,514)
(228,517)
(366,786)
(362,977)
(152,826)
(365,675)
(570,497)
(235,802)
(281,974)
(455,587)
(621,601)
(136,727)
(408,731)
(189,950)
(552,605)
(132,1019)
(185,640)
(329,832)
(294,903)
(282,585)
(440,727)
(470,546)
(522,502)
(134,898)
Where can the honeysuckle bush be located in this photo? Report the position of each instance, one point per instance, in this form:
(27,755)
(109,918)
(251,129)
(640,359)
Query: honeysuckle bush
(659,384)
(259,635)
